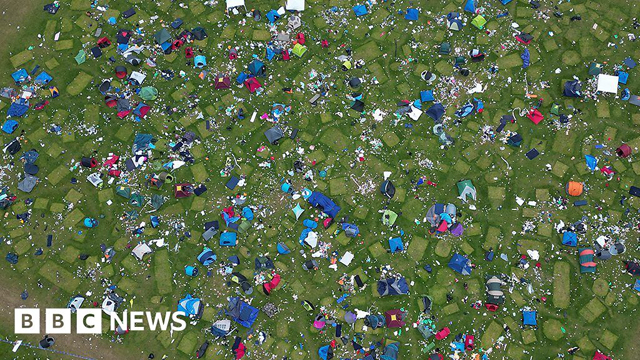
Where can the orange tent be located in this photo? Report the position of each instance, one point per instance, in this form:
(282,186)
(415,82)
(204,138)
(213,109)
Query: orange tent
(574,188)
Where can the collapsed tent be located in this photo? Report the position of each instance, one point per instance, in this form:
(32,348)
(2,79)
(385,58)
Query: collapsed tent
(327,205)
(241,312)
(393,286)
(460,264)
(191,307)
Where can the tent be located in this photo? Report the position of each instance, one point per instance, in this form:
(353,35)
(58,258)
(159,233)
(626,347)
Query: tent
(600,356)
(569,238)
(388,189)
(479,22)
(375,321)
(273,16)
(412,14)
(121,72)
(585,256)
(299,50)
(526,58)
(81,57)
(252,84)
(535,116)
(389,217)
(393,286)
(199,33)
(390,351)
(148,93)
(325,352)
(228,239)
(268,287)
(327,205)
(524,38)
(28,183)
(466,190)
(454,21)
(529,318)
(572,88)
(137,78)
(471,6)
(162,36)
(460,264)
(206,257)
(608,83)
(235,3)
(350,230)
(574,188)
(494,292)
(394,318)
(136,199)
(436,111)
(294,5)
(43,78)
(123,191)
(623,151)
(20,76)
(274,134)
(141,250)
(183,190)
(10,126)
(200,61)
(191,307)
(256,68)
(241,312)
(123,108)
(591,162)
(395,245)
(360,10)
(222,82)
(18,108)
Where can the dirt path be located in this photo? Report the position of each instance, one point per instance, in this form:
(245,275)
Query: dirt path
(84,345)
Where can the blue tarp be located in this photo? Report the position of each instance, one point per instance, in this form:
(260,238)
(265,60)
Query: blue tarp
(360,10)
(10,126)
(241,312)
(435,112)
(570,239)
(460,264)
(526,58)
(18,108)
(43,78)
(529,318)
(396,245)
(322,201)
(190,306)
(591,161)
(20,76)
(412,14)
(470,6)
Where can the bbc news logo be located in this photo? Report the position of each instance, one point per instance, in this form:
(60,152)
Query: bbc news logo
(89,321)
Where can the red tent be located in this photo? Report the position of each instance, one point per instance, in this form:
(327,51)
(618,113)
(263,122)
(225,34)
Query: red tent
(110,100)
(238,348)
(183,190)
(269,286)
(188,52)
(222,82)
(443,333)
(600,356)
(233,54)
(177,44)
(443,226)
(300,38)
(104,42)
(121,72)
(252,84)
(394,318)
(285,55)
(535,116)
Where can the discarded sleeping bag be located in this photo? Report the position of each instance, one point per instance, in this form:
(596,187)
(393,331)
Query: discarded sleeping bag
(207,257)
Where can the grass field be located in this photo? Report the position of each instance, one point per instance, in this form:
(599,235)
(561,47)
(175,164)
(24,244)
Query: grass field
(353,149)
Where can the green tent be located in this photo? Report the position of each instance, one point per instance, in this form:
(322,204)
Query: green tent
(162,36)
(148,93)
(479,22)
(81,57)
(299,50)
(389,217)
(136,200)
(157,201)
(466,190)
(123,191)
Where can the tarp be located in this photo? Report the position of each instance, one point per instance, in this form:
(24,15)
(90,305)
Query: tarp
(18,107)
(28,183)
(412,14)
(526,58)
(10,126)
(20,76)
(529,318)
(470,6)
(234,3)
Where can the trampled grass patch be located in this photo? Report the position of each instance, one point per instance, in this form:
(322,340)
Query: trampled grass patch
(162,271)
(79,83)
(59,276)
(561,284)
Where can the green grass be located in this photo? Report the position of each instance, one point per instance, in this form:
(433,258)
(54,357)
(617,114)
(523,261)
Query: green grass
(561,285)
(79,83)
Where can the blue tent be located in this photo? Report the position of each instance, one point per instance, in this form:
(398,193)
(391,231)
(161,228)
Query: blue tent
(18,107)
(435,112)
(390,352)
(256,68)
(505,2)
(623,77)
(241,312)
(569,238)
(283,249)
(396,245)
(322,201)
(591,161)
(464,110)
(325,352)
(241,78)
(411,15)
(636,286)
(228,239)
(360,10)
(526,58)
(207,257)
(20,76)
(529,318)
(460,264)
(270,54)
(10,126)
(43,78)
(426,95)
(191,270)
(200,61)
(350,230)
(191,307)
(272,16)
(393,286)
(471,6)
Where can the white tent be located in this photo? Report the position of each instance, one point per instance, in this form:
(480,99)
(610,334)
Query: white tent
(295,5)
(235,3)
(141,250)
(608,83)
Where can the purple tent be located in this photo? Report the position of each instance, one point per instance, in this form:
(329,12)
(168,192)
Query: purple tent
(457,229)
